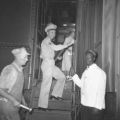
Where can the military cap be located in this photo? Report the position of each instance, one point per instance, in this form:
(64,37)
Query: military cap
(93,52)
(50,26)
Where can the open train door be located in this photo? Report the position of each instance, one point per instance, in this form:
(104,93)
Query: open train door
(65,109)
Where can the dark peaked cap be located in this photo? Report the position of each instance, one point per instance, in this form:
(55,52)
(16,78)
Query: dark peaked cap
(93,52)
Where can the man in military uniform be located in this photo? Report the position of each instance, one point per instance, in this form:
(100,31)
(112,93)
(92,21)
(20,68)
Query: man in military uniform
(49,69)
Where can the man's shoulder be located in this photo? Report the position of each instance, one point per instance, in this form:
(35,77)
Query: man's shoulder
(8,69)
(99,69)
(45,41)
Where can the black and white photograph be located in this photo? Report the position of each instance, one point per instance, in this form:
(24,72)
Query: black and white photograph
(59,59)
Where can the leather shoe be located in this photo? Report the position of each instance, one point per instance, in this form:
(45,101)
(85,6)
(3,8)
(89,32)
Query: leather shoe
(59,98)
(53,98)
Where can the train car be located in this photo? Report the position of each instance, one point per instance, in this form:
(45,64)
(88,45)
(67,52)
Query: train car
(97,26)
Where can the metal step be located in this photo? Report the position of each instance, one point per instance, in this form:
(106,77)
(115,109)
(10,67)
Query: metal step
(65,104)
(68,85)
(67,93)
(51,115)
(60,105)
(55,104)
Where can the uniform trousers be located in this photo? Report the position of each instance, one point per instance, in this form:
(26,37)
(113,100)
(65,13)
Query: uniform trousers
(49,71)
(90,113)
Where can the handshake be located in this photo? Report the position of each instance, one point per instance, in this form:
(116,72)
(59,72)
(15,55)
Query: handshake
(69,78)
(75,78)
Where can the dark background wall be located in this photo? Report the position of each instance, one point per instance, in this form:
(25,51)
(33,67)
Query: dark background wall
(88,31)
(98,28)
(14,27)
(14,21)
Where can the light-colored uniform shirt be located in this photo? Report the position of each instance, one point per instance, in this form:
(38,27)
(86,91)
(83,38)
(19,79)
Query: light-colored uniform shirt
(48,48)
(93,86)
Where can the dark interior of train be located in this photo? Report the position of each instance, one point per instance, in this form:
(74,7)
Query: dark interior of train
(63,13)
(60,12)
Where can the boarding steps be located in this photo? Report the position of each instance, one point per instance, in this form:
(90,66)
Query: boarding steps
(58,110)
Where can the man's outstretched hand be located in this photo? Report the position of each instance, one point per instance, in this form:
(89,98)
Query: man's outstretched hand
(69,78)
